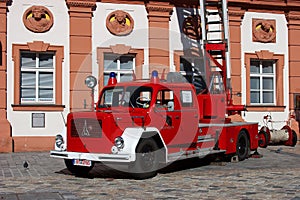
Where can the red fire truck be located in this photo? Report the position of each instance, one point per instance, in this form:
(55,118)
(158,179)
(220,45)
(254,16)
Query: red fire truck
(145,124)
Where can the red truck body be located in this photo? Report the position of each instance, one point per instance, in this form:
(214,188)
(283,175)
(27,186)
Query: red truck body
(180,122)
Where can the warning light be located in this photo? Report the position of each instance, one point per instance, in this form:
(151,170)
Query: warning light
(112,79)
(154,77)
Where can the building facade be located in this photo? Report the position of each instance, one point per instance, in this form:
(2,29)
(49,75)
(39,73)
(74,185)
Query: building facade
(48,48)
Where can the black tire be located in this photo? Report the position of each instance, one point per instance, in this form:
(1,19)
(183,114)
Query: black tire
(242,146)
(147,160)
(294,141)
(263,139)
(77,170)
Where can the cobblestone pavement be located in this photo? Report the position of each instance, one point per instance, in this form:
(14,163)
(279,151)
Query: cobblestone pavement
(274,176)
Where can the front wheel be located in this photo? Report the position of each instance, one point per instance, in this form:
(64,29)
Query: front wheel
(77,170)
(147,160)
(242,146)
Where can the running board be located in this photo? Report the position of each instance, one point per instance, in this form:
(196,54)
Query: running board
(200,153)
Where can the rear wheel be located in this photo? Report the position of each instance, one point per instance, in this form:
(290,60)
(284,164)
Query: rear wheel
(147,160)
(294,141)
(242,146)
(263,139)
(77,170)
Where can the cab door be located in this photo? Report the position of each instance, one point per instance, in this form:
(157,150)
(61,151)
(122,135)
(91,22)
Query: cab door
(188,119)
(167,114)
(178,110)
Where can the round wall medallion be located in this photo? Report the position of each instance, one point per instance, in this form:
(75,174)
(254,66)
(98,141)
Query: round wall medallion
(38,19)
(192,27)
(264,30)
(119,23)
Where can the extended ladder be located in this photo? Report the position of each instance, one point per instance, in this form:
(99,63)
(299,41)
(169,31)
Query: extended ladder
(215,37)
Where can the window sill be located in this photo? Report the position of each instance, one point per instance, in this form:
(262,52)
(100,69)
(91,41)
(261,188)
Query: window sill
(37,107)
(265,108)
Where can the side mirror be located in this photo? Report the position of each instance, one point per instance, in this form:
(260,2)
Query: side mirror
(170,106)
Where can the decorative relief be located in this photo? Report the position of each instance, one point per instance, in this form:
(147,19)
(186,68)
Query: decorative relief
(38,19)
(192,27)
(264,30)
(119,23)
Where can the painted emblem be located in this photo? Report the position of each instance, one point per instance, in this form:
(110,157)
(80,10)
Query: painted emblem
(85,130)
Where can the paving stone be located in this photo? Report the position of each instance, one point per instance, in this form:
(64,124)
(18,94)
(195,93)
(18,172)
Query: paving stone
(274,176)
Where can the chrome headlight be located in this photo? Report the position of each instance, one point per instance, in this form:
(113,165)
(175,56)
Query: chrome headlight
(119,142)
(59,141)
(90,82)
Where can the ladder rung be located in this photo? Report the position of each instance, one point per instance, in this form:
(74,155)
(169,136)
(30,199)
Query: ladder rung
(218,57)
(214,22)
(213,13)
(216,3)
(215,52)
(215,40)
(215,31)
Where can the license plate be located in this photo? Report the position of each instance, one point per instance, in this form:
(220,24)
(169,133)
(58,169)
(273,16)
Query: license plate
(86,163)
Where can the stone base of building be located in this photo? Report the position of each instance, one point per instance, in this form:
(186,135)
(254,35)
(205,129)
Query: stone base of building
(6,144)
(26,143)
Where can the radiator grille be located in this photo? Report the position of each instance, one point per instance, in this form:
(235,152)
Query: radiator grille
(86,127)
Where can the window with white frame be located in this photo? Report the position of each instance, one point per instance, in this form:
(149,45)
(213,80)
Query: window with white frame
(122,65)
(262,82)
(37,77)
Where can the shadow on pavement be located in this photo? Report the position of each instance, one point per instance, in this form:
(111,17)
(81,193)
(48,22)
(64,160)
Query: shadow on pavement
(103,171)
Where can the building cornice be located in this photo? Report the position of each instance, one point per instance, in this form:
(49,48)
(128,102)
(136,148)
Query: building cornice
(292,16)
(81,3)
(236,13)
(159,7)
(279,5)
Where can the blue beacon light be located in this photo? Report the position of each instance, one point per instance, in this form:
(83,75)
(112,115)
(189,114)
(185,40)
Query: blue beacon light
(112,79)
(154,77)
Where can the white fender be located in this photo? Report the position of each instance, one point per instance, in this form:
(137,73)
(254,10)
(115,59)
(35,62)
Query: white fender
(63,133)
(131,138)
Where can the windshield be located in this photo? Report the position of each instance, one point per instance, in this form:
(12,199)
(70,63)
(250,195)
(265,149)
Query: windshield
(133,96)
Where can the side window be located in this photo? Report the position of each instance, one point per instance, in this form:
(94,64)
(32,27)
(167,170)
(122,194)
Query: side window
(186,98)
(163,98)
(138,97)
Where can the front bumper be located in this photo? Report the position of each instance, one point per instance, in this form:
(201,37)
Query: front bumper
(95,157)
